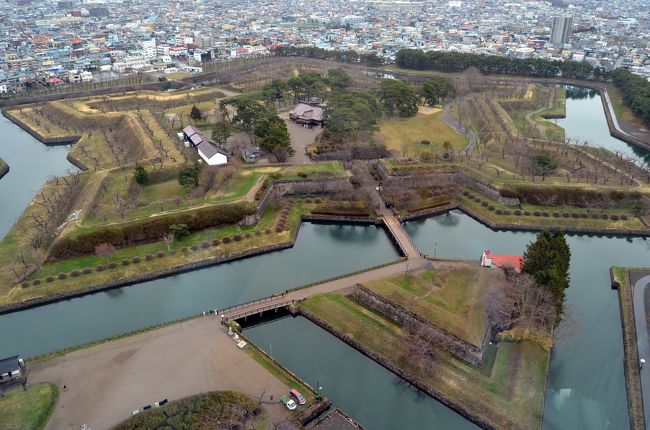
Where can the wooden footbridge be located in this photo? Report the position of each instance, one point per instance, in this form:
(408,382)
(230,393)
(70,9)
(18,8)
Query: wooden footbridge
(255,307)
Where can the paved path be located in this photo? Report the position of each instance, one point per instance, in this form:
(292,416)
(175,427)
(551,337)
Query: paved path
(106,382)
(341,285)
(643,343)
(452,122)
(540,127)
(404,241)
(300,138)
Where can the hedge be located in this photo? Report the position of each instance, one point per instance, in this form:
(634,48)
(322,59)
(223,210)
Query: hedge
(567,196)
(149,229)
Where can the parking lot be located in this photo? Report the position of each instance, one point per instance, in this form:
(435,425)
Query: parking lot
(106,382)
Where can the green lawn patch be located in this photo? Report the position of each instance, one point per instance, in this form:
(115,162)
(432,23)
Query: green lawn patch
(450,298)
(30,409)
(395,132)
(510,396)
(357,322)
(189,250)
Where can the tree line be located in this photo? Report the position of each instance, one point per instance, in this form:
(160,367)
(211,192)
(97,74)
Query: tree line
(324,54)
(635,90)
(491,64)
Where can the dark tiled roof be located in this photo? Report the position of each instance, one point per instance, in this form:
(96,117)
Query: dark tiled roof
(208,149)
(307,112)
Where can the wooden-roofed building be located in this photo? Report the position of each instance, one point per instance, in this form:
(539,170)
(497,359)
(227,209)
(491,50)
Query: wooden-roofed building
(308,114)
(208,150)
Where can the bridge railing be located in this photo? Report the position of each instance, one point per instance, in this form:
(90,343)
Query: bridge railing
(246,304)
(256,310)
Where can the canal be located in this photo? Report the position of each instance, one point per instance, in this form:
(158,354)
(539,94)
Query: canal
(585,121)
(586,389)
(375,397)
(31,163)
(321,251)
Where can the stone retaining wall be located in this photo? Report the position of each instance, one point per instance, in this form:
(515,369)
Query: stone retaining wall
(613,130)
(150,276)
(529,227)
(63,140)
(459,178)
(148,86)
(486,189)
(630,352)
(411,379)
(428,330)
(4,169)
(278,189)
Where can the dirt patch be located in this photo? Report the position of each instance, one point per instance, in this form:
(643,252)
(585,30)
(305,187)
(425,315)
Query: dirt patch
(426,110)
(125,355)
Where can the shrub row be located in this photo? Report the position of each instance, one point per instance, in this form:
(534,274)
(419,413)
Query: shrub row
(567,195)
(149,229)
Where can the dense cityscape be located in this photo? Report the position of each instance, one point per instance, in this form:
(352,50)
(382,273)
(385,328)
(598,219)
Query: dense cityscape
(346,215)
(53,42)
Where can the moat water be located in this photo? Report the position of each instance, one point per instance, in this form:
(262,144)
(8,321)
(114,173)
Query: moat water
(585,121)
(586,387)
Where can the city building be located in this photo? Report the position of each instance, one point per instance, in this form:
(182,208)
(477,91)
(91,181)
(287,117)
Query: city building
(561,30)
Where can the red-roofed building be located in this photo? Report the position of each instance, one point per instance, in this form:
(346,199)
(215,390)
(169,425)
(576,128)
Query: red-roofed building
(499,260)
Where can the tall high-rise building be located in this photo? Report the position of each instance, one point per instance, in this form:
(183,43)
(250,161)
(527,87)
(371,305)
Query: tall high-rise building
(561,30)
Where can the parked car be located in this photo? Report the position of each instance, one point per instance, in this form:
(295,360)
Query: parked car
(290,404)
(296,395)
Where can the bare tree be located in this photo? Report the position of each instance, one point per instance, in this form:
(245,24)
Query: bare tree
(105,250)
(168,238)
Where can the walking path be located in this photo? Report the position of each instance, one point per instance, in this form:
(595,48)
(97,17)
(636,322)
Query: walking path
(540,127)
(643,343)
(452,122)
(401,236)
(403,239)
(338,285)
(104,383)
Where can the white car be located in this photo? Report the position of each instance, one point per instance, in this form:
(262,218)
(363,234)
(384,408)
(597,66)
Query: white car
(289,403)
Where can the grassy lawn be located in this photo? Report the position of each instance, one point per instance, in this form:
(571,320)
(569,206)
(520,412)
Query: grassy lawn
(40,125)
(450,298)
(182,254)
(510,396)
(395,132)
(559,105)
(631,223)
(359,323)
(28,410)
(623,113)
(332,168)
